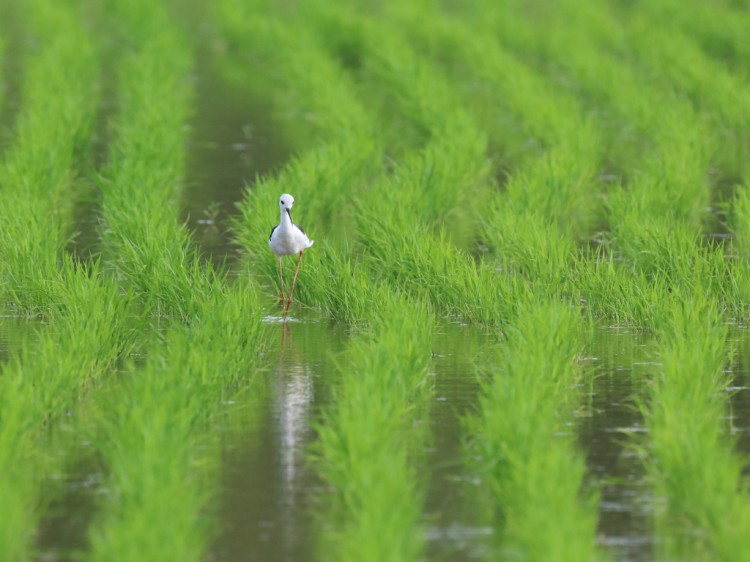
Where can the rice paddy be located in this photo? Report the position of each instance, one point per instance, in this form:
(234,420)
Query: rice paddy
(521,333)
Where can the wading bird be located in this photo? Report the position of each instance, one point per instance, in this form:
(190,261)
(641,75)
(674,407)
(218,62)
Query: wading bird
(288,239)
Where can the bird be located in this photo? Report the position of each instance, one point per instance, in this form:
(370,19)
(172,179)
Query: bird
(287,239)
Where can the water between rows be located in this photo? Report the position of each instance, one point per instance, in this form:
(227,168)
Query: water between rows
(270,494)
(270,497)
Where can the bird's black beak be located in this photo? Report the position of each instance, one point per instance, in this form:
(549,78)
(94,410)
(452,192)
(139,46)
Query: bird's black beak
(289,212)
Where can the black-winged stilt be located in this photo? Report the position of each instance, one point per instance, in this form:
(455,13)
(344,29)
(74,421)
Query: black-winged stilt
(288,239)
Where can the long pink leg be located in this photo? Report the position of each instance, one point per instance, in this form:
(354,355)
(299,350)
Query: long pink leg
(294,281)
(281,283)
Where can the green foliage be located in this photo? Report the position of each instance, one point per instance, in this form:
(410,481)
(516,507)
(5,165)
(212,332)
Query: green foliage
(52,129)
(692,461)
(519,436)
(365,438)
(141,236)
(47,378)
(87,335)
(153,433)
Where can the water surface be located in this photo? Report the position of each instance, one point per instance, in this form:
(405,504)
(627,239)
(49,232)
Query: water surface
(268,487)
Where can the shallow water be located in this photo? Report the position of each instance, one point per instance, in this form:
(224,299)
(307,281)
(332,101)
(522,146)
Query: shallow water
(739,391)
(268,487)
(232,141)
(73,494)
(610,425)
(14,330)
(455,529)
(270,496)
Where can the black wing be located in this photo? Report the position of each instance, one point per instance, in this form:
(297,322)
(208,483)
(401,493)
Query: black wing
(272,231)
(301,229)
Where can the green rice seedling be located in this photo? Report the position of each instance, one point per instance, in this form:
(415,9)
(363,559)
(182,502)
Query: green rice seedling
(141,237)
(296,66)
(673,185)
(35,175)
(430,267)
(343,287)
(2,76)
(611,290)
(655,256)
(521,444)
(655,220)
(451,150)
(671,189)
(670,251)
(740,221)
(364,436)
(715,92)
(44,382)
(705,512)
(153,434)
(557,144)
(740,224)
(532,246)
(719,29)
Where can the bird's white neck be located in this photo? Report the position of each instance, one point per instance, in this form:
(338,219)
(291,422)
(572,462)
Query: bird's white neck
(286,219)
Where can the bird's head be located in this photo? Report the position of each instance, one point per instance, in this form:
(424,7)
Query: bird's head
(285,202)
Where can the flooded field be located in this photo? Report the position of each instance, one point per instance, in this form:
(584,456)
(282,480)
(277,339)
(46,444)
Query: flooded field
(521,332)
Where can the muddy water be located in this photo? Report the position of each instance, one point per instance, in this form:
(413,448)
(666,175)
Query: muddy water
(269,488)
(73,495)
(455,528)
(739,391)
(270,493)
(610,425)
(268,505)
(14,330)
(232,141)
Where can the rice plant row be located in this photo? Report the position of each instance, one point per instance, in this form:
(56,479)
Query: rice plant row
(153,434)
(43,382)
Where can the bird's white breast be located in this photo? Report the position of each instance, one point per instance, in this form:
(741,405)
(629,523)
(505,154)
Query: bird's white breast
(288,241)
